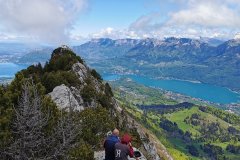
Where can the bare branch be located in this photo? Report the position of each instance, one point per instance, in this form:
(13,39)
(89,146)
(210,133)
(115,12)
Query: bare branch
(30,141)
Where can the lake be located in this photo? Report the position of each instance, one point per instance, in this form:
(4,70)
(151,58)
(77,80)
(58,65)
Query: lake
(203,91)
(206,92)
(8,70)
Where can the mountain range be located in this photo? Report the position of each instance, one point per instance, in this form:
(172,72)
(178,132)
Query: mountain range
(179,58)
(206,60)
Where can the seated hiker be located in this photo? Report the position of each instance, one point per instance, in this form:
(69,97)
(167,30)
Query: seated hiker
(109,144)
(124,148)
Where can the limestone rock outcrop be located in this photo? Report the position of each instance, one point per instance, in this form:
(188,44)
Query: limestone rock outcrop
(64,98)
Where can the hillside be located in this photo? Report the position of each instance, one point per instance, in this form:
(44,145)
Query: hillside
(62,110)
(187,130)
(41,55)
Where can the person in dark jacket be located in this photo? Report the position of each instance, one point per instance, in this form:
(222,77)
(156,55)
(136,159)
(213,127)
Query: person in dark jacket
(124,148)
(109,145)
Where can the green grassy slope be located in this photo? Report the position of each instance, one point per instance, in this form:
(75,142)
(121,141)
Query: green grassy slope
(195,126)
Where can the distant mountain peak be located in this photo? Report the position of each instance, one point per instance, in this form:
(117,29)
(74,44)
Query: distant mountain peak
(127,41)
(233,42)
(211,41)
(155,42)
(100,40)
(237,36)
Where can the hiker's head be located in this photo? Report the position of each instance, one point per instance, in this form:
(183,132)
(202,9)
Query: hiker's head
(126,139)
(115,132)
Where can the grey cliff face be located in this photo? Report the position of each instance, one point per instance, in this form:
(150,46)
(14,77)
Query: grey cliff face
(81,71)
(65,98)
(149,146)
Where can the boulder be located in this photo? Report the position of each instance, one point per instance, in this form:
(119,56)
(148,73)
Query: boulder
(64,98)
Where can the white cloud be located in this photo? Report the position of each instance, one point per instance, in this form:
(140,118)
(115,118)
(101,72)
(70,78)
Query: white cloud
(158,33)
(237,36)
(114,34)
(46,20)
(107,32)
(207,14)
(4,37)
(145,22)
(193,18)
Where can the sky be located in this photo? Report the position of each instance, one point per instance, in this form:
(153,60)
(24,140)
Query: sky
(76,21)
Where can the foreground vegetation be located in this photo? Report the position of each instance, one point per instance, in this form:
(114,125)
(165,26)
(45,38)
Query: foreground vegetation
(32,126)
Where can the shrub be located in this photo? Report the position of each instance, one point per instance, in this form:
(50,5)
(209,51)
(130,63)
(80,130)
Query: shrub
(108,90)
(52,79)
(82,151)
(96,122)
(95,74)
(212,150)
(233,149)
(62,59)
(168,125)
(192,150)
(88,93)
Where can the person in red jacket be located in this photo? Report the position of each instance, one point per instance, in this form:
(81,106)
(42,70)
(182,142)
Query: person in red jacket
(124,148)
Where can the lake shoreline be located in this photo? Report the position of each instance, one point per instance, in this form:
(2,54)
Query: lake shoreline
(190,88)
(192,81)
(231,97)
(171,78)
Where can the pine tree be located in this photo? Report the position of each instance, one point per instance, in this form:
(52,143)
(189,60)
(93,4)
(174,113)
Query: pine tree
(27,127)
(30,138)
